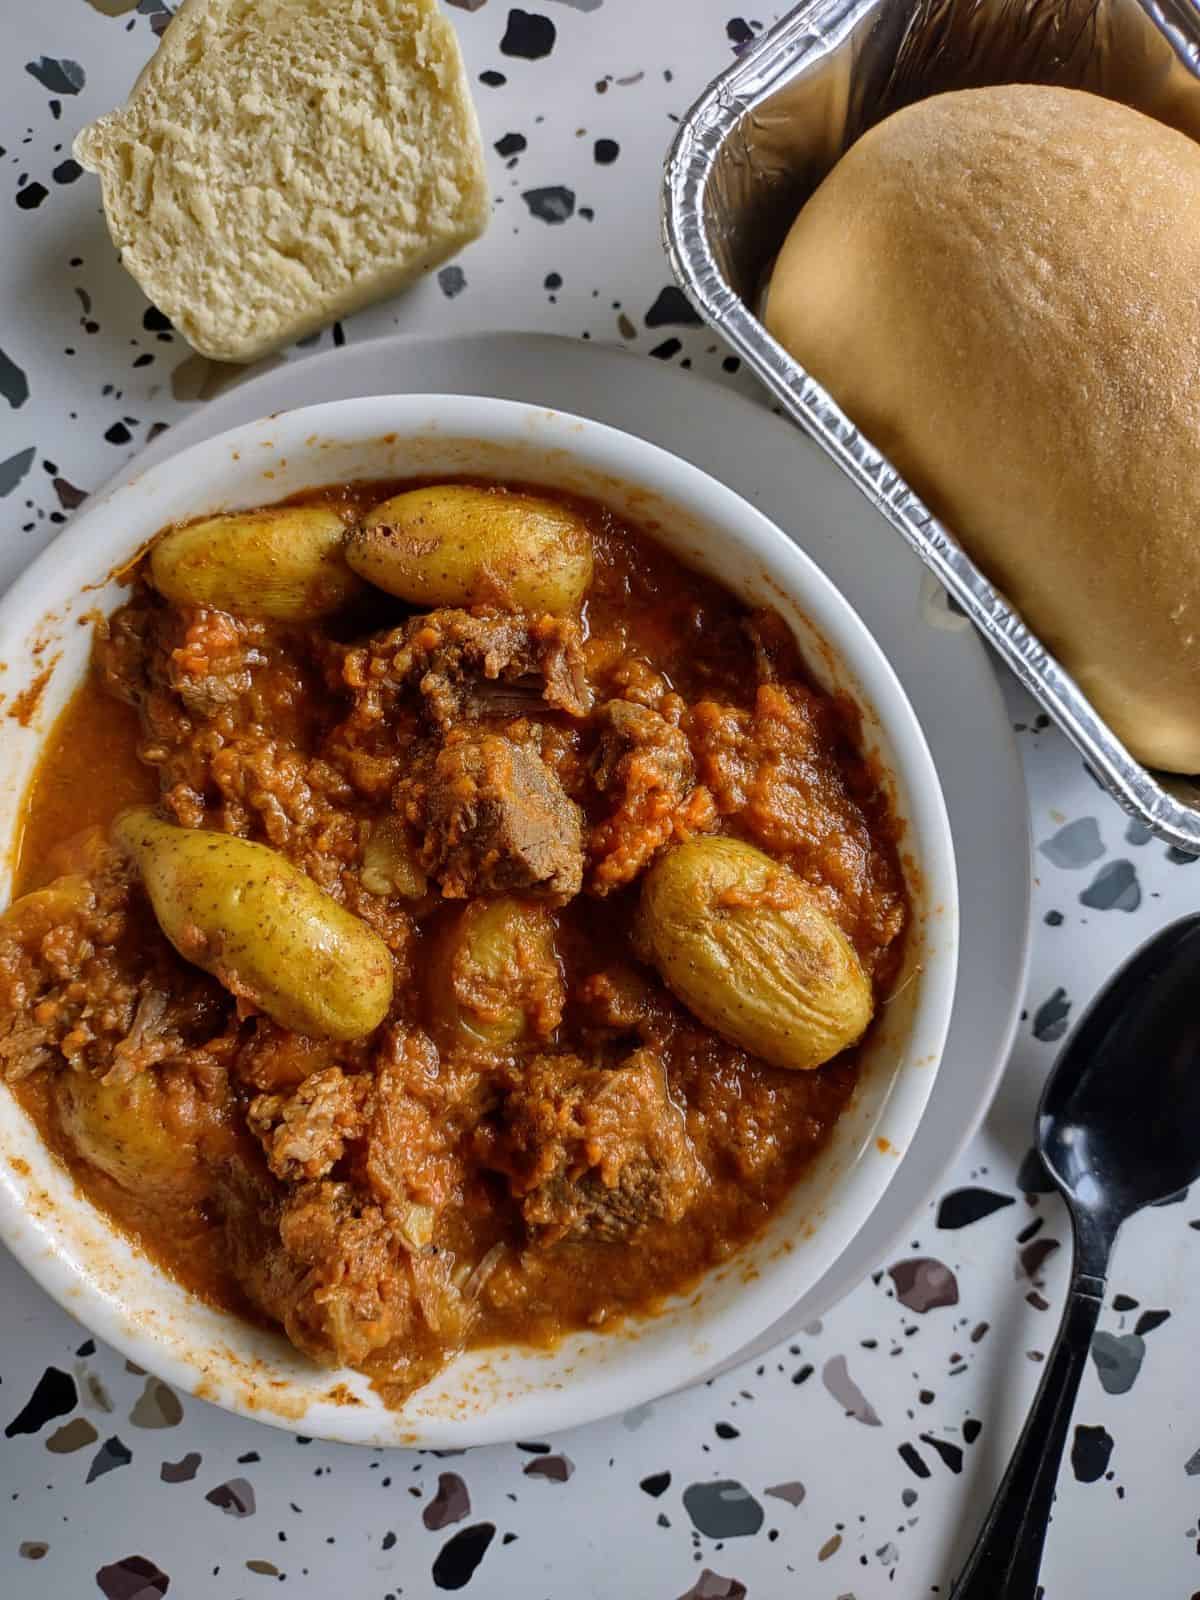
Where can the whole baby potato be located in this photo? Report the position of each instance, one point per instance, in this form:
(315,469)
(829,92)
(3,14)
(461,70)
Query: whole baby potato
(494,975)
(747,947)
(285,564)
(457,545)
(261,926)
(127,1129)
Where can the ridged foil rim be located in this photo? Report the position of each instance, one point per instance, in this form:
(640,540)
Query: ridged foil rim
(810,32)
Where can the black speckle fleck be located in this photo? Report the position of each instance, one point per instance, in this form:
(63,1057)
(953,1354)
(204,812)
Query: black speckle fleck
(667,349)
(1149,1320)
(458,1558)
(510,145)
(911,1458)
(528,35)
(972,1428)
(672,310)
(54,1395)
(606,152)
(1053,919)
(656,1484)
(1180,858)
(493,79)
(961,1207)
(726,1430)
(118,434)
(552,280)
(31,196)
(1090,1453)
(67,171)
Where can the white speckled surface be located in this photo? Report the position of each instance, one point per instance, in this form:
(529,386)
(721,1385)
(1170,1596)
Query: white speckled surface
(187,1501)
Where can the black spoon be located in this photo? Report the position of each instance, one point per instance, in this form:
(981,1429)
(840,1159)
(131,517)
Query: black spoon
(1118,1129)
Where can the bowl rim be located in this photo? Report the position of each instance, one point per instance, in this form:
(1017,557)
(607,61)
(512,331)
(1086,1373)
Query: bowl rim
(98,539)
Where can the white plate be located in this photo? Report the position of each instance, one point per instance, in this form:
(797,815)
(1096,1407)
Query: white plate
(938,658)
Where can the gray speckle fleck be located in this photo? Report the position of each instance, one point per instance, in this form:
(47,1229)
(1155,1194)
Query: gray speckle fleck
(1192,1465)
(636,1418)
(13,468)
(552,204)
(1074,846)
(836,1378)
(450,1504)
(723,1510)
(451,281)
(1114,888)
(14,385)
(1118,1358)
(111,1455)
(1137,833)
(1050,1018)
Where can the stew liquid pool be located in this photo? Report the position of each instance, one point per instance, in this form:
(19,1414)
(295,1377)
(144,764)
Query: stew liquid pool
(518,969)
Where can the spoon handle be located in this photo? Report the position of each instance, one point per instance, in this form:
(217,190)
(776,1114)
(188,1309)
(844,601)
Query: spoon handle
(1008,1553)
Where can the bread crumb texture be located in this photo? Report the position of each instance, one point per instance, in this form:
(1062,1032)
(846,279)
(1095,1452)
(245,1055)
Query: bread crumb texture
(281,163)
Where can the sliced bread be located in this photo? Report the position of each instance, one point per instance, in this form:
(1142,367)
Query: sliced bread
(281,163)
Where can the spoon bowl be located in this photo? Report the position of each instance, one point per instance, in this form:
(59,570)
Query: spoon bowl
(1119,1123)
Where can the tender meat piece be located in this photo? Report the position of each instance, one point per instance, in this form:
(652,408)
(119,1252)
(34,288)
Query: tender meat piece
(789,773)
(324,1261)
(497,820)
(595,1153)
(86,978)
(644,764)
(453,656)
(306,1132)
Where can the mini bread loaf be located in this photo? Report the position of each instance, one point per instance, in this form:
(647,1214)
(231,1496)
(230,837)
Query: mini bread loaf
(1002,288)
(280,163)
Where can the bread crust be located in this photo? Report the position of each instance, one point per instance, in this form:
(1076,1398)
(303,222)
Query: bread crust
(1002,288)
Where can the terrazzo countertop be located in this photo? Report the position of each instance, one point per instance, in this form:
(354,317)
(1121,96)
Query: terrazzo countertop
(853,1462)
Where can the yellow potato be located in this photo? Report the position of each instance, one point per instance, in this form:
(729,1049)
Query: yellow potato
(260,925)
(127,1130)
(34,915)
(286,564)
(494,975)
(747,947)
(455,545)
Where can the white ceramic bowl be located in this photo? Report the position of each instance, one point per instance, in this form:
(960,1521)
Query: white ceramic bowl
(496,1394)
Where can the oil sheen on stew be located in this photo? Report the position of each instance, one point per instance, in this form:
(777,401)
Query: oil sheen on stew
(572,897)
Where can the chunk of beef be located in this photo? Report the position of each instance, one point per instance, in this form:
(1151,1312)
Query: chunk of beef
(457,658)
(324,1260)
(644,764)
(595,1153)
(305,1133)
(497,820)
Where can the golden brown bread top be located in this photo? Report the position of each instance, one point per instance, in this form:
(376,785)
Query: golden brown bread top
(1002,288)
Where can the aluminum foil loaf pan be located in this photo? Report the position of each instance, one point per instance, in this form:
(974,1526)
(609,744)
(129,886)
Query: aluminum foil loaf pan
(764,134)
